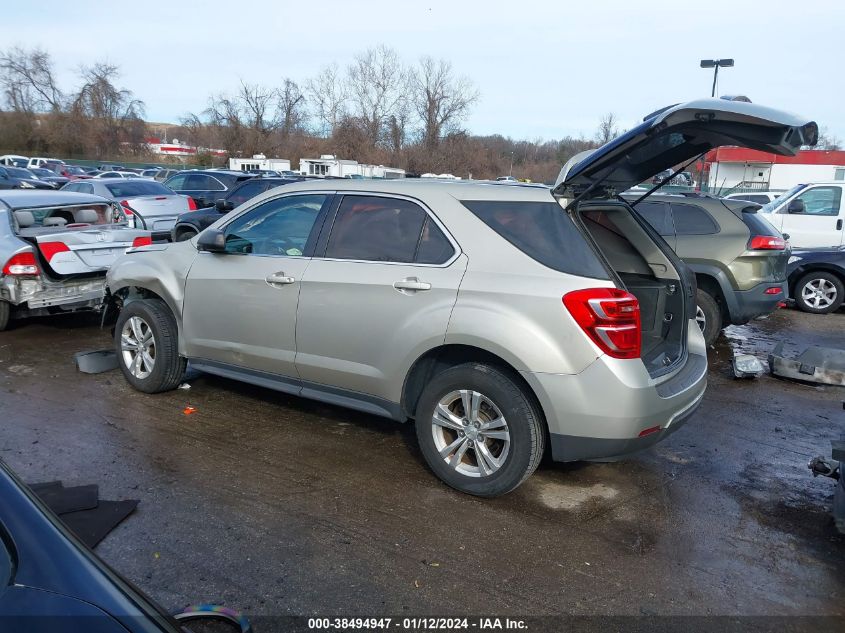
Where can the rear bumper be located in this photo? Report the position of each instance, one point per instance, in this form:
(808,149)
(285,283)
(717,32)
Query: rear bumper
(35,294)
(601,412)
(754,303)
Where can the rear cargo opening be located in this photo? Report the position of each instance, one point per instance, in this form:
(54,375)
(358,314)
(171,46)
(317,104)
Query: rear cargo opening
(647,272)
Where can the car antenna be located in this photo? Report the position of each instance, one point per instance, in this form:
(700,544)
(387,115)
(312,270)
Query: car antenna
(665,180)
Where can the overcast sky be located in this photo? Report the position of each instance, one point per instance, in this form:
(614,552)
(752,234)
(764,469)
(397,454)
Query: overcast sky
(544,69)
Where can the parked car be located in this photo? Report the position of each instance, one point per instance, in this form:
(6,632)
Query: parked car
(812,215)
(683,178)
(55,249)
(40,161)
(18,178)
(817,279)
(149,173)
(110,167)
(47,175)
(164,174)
(13,160)
(506,179)
(738,257)
(484,313)
(148,204)
(115,174)
(758,197)
(51,582)
(71,172)
(206,186)
(189,224)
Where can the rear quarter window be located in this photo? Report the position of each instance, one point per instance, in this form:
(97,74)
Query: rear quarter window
(690,219)
(544,232)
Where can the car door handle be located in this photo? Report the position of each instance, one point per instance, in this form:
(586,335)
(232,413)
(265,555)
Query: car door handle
(279,279)
(839,225)
(411,284)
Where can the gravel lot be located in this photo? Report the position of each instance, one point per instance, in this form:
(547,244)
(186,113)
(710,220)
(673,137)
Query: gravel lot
(274,505)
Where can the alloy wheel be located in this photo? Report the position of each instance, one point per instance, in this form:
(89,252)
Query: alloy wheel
(700,318)
(138,347)
(818,294)
(470,433)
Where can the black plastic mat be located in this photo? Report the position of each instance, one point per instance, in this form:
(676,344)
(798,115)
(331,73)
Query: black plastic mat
(81,509)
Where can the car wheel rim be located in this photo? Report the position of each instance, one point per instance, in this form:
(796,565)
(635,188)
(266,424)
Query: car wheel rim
(819,293)
(138,347)
(470,433)
(700,318)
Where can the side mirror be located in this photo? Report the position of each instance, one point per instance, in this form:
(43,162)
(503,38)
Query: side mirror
(222,206)
(795,206)
(212,240)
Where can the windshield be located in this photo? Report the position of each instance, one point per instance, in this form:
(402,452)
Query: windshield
(770,207)
(16,172)
(38,171)
(134,188)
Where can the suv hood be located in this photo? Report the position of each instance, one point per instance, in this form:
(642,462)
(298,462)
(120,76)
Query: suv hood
(677,134)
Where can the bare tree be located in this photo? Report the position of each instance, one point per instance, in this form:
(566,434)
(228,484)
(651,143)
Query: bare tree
(440,99)
(112,114)
(608,129)
(828,141)
(291,106)
(327,94)
(376,80)
(28,82)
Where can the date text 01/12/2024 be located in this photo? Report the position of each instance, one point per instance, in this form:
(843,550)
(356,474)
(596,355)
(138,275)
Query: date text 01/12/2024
(416,624)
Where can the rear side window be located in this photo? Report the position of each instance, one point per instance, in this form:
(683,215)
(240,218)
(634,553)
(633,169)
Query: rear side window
(245,192)
(544,232)
(377,229)
(691,219)
(657,214)
(132,188)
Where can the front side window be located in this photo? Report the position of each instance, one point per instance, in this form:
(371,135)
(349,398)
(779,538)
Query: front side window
(280,227)
(377,229)
(821,200)
(201,182)
(177,183)
(245,192)
(691,219)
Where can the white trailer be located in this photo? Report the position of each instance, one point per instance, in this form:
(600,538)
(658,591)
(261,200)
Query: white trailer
(258,162)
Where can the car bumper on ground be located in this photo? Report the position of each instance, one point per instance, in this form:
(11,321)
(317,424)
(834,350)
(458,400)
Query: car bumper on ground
(755,302)
(614,408)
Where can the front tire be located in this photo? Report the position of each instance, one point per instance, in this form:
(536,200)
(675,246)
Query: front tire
(146,342)
(5,314)
(185,234)
(708,316)
(479,430)
(819,292)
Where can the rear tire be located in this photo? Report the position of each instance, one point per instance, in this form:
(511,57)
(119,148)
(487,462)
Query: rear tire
(819,292)
(146,342)
(5,314)
(490,449)
(708,316)
(184,235)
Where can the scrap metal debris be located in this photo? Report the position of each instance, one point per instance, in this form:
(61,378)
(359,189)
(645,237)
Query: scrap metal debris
(747,366)
(824,365)
(96,362)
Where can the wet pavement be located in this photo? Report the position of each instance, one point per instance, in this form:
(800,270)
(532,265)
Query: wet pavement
(273,504)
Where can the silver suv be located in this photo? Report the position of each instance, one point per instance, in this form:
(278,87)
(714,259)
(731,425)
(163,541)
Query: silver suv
(504,319)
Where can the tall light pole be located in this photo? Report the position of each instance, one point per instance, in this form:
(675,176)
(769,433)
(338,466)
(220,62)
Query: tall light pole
(715,64)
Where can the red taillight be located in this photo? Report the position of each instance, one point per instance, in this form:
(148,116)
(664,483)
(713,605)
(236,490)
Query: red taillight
(49,249)
(610,317)
(774,290)
(142,241)
(126,208)
(767,243)
(21,264)
(192,205)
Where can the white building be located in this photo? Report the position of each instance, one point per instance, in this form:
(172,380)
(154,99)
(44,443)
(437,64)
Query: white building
(741,168)
(259,161)
(329,165)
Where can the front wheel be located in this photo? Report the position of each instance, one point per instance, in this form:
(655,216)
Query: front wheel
(819,292)
(478,430)
(145,338)
(185,234)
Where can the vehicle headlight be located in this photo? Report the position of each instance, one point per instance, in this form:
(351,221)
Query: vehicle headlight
(26,185)
(794,259)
